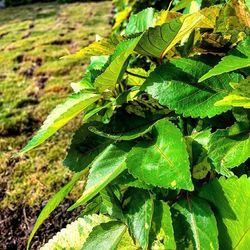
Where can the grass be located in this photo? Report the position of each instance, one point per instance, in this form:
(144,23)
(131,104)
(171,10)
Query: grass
(32,82)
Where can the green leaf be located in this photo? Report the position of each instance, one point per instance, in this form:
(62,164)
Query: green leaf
(139,213)
(136,76)
(239,97)
(105,236)
(229,147)
(85,146)
(109,78)
(236,59)
(231,199)
(126,180)
(157,41)
(140,22)
(75,234)
(176,86)
(162,229)
(52,204)
(165,158)
(60,116)
(105,46)
(124,126)
(106,167)
(203,230)
(92,71)
(111,203)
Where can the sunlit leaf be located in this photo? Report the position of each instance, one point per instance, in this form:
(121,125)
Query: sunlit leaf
(202,227)
(52,204)
(63,113)
(176,86)
(236,59)
(75,234)
(107,166)
(165,158)
(230,199)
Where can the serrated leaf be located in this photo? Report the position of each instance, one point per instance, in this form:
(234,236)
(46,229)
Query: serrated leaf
(139,213)
(162,228)
(106,167)
(75,234)
(124,127)
(53,203)
(165,158)
(63,113)
(108,79)
(239,97)
(127,242)
(85,146)
(111,203)
(229,147)
(140,22)
(231,199)
(126,180)
(92,71)
(136,76)
(105,236)
(176,86)
(157,41)
(105,46)
(236,59)
(203,231)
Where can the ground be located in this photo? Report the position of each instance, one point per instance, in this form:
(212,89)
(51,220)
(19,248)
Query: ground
(33,80)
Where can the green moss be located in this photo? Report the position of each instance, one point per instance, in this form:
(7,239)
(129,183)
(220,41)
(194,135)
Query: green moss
(33,81)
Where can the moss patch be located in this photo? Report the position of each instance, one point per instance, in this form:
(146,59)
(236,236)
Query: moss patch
(33,80)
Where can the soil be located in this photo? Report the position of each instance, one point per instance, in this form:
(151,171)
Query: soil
(16,225)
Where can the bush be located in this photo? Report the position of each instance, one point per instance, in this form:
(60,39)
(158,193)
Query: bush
(165,141)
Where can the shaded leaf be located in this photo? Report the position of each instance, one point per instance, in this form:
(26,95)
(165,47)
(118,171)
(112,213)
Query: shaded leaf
(105,236)
(124,126)
(231,199)
(106,167)
(203,230)
(111,203)
(60,116)
(139,212)
(85,146)
(165,159)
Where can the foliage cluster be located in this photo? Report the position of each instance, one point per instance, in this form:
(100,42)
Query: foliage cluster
(165,140)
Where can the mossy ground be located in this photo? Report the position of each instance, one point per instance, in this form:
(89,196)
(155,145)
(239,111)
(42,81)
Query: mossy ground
(32,82)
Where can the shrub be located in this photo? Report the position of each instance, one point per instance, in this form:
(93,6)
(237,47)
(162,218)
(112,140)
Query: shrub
(165,139)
